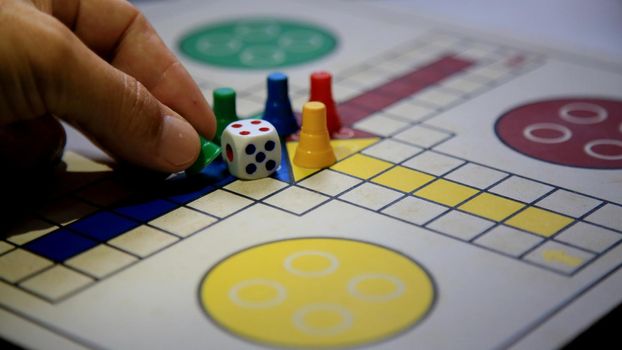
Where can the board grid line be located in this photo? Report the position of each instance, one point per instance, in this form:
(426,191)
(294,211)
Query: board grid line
(436,110)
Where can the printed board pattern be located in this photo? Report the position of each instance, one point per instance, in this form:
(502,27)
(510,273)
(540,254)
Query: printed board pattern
(392,168)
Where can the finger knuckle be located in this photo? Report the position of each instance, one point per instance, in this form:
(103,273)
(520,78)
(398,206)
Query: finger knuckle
(139,114)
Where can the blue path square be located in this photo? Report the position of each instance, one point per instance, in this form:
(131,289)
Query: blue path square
(185,189)
(145,210)
(103,225)
(60,245)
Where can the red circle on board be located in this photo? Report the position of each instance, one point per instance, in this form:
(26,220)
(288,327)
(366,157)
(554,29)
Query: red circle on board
(579,132)
(236,125)
(244,132)
(264,129)
(256,122)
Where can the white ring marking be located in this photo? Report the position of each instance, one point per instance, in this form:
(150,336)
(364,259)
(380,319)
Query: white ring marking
(601,113)
(589,149)
(299,319)
(528,132)
(355,281)
(288,263)
(281,293)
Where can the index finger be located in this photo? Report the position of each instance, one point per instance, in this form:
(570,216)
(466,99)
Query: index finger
(118,32)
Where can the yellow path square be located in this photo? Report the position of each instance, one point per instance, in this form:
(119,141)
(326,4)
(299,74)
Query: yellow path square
(492,207)
(446,192)
(539,221)
(342,149)
(361,166)
(403,179)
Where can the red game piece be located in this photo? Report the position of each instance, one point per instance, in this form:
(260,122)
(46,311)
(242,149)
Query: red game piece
(321,91)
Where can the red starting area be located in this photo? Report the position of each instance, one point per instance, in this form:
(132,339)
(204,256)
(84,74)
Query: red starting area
(579,132)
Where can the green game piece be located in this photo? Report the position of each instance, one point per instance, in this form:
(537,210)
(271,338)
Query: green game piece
(224,109)
(258,43)
(209,152)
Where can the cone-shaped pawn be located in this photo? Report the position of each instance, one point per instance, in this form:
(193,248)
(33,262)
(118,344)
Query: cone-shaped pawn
(278,110)
(224,109)
(209,152)
(314,150)
(322,91)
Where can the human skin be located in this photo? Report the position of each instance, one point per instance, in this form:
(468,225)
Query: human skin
(99,66)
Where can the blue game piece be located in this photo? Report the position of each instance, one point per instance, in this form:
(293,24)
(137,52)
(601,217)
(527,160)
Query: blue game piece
(278,109)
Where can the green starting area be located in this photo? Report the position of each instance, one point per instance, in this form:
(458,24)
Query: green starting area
(257,43)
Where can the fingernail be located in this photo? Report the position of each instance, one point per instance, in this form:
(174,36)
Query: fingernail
(179,142)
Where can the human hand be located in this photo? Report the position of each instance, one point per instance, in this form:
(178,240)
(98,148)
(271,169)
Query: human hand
(100,66)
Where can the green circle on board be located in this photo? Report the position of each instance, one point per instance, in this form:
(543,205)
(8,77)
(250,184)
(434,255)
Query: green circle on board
(257,43)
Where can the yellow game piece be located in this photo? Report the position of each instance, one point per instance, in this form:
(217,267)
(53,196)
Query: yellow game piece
(314,150)
(342,149)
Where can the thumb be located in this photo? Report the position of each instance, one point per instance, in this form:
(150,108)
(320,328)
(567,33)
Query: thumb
(115,110)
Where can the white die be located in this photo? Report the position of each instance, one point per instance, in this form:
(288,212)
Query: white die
(251,148)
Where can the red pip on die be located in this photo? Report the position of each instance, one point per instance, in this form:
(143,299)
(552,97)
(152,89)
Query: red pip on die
(251,148)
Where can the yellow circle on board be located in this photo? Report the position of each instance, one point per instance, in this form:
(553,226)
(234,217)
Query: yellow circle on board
(317,292)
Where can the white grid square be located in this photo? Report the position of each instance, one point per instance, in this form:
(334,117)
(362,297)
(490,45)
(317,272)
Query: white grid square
(298,102)
(258,93)
(521,189)
(365,79)
(608,215)
(473,76)
(220,203)
(559,257)
(392,151)
(143,241)
(414,210)
(393,67)
(418,58)
(568,203)
(256,189)
(183,221)
(371,196)
(477,51)
(433,163)
(5,247)
(463,84)
(100,261)
(460,225)
(28,230)
(19,263)
(422,136)
(422,53)
(407,110)
(589,237)
(476,175)
(437,96)
(342,92)
(296,199)
(248,108)
(508,240)
(56,282)
(443,40)
(330,182)
(66,211)
(490,72)
(379,124)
